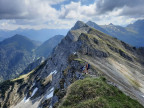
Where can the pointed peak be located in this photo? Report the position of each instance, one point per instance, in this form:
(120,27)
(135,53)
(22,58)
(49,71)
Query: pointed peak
(111,24)
(91,22)
(78,25)
(17,36)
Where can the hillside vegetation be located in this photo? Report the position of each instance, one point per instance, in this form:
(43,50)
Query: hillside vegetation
(96,93)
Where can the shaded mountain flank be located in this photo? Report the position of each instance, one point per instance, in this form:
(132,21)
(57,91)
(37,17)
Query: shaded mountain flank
(15,54)
(115,76)
(132,34)
(46,48)
(19,55)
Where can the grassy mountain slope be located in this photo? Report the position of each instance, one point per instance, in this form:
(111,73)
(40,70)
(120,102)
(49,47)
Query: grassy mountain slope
(96,93)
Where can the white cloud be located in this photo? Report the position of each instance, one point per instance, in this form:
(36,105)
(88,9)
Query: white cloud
(27,9)
(38,14)
(75,10)
(52,2)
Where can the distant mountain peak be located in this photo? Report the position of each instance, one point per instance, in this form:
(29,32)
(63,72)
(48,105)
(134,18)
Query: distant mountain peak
(111,24)
(78,25)
(18,36)
(137,27)
(137,23)
(96,26)
(140,21)
(19,42)
(91,22)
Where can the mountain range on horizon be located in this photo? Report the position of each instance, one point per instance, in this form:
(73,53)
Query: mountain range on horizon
(131,34)
(115,76)
(37,35)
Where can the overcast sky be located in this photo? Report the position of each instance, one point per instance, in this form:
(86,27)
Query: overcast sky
(39,14)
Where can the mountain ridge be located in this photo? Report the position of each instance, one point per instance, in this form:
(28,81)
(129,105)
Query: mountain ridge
(109,57)
(129,34)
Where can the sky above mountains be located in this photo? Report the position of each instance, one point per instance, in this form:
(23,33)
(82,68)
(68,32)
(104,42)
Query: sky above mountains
(62,14)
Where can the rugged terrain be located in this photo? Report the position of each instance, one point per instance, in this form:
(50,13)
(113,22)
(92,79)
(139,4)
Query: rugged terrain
(19,55)
(46,86)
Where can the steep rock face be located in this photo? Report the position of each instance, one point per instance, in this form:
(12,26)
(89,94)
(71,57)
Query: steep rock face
(46,85)
(15,54)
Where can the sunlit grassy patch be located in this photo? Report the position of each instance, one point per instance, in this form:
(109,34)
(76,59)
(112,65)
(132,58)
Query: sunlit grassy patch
(96,93)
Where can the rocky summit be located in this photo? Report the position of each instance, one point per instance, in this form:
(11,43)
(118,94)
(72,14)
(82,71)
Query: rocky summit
(88,69)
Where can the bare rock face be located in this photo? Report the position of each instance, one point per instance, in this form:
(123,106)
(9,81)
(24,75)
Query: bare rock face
(46,85)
